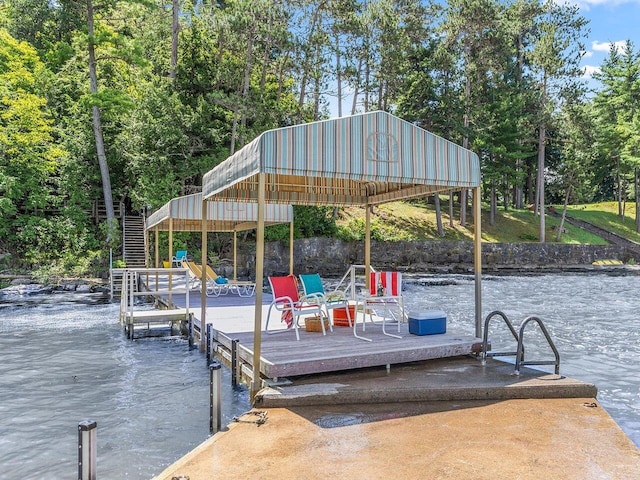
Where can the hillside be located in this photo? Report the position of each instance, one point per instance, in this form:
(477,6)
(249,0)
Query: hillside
(417,221)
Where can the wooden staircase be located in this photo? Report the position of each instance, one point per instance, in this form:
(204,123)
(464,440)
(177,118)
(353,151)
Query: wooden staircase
(134,246)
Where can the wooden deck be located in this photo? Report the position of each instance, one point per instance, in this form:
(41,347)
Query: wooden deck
(283,356)
(231,318)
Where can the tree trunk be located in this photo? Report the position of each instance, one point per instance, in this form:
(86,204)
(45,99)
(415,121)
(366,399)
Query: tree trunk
(356,91)
(238,110)
(564,214)
(619,182)
(436,199)
(541,153)
(338,77)
(637,184)
(97,130)
(465,144)
(540,189)
(451,209)
(175,27)
(492,210)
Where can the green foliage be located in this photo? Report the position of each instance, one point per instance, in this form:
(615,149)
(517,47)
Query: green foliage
(66,266)
(529,237)
(29,156)
(43,240)
(470,71)
(313,221)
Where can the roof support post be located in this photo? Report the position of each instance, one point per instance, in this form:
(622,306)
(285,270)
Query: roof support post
(257,326)
(235,255)
(367,245)
(477,258)
(203,277)
(156,231)
(291,248)
(170,259)
(170,239)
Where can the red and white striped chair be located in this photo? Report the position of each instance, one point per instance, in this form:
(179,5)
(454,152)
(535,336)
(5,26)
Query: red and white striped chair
(384,299)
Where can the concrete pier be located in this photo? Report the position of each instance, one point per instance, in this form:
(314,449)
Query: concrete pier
(441,419)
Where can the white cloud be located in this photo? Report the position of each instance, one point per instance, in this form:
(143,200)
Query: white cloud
(589,70)
(606,46)
(587,54)
(587,4)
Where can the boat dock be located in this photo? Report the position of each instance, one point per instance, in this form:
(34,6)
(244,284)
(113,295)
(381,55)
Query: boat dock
(414,407)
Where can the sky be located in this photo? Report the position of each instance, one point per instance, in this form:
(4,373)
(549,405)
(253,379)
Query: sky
(610,21)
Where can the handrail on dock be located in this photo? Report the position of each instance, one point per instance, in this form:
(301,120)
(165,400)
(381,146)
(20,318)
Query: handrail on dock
(132,289)
(350,286)
(518,334)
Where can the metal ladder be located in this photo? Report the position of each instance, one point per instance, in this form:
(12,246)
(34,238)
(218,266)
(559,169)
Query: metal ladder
(519,336)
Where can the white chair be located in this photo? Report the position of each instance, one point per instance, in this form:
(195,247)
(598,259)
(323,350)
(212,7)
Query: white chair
(384,299)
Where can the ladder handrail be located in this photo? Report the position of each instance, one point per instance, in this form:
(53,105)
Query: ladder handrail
(519,363)
(519,336)
(485,336)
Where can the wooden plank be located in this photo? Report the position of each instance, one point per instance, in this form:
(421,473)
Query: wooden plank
(283,356)
(155,316)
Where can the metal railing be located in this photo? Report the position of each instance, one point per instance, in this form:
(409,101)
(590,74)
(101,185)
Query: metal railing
(518,333)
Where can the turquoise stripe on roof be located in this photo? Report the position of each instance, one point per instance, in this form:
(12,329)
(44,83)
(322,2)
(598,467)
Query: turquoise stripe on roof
(375,146)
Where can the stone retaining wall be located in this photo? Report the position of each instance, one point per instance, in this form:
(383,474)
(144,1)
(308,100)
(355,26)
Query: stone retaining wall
(332,257)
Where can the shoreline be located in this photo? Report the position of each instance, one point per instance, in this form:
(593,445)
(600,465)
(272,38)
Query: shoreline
(22,286)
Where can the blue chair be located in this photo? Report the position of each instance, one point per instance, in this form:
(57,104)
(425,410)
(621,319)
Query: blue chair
(178,258)
(313,288)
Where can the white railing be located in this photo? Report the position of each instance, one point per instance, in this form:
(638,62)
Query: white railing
(154,280)
(349,283)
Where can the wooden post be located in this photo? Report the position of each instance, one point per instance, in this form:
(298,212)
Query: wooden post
(170,258)
(367,245)
(257,326)
(157,253)
(235,255)
(291,248)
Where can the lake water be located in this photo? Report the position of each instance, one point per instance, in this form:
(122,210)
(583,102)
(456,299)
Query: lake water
(65,362)
(594,321)
(62,363)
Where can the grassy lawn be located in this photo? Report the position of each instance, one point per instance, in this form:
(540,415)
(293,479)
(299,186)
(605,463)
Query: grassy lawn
(416,220)
(605,215)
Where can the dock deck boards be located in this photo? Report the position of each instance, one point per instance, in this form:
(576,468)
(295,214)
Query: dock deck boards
(232,318)
(283,356)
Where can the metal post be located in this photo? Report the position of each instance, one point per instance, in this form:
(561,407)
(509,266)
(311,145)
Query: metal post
(215,402)
(87,450)
(234,362)
(208,342)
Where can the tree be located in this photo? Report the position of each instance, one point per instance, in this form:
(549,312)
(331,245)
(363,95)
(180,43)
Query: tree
(617,110)
(554,63)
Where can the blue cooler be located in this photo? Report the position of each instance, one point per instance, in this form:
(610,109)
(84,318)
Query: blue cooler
(432,322)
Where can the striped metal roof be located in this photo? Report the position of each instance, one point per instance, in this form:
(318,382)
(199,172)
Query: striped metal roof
(358,160)
(185,214)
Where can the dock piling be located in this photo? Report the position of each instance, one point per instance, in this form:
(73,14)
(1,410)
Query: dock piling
(87,450)
(215,402)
